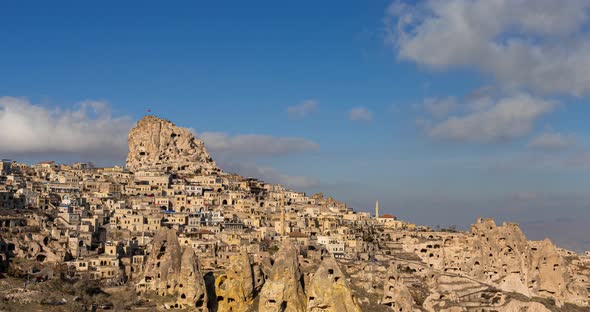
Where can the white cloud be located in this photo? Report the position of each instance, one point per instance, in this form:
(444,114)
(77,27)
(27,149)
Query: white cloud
(270,175)
(506,119)
(481,98)
(295,182)
(88,129)
(551,140)
(541,45)
(302,109)
(440,108)
(236,153)
(360,114)
(255,144)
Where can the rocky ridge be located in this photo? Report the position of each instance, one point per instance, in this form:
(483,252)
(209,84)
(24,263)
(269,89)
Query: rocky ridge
(156,144)
(173,271)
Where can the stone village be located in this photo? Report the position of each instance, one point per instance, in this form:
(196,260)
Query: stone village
(179,233)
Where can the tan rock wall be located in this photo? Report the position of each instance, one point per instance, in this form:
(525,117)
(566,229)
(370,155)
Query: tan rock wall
(158,144)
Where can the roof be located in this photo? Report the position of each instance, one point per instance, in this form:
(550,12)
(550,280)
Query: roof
(388,216)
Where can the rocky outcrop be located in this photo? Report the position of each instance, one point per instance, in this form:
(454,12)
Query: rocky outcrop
(437,302)
(283,291)
(170,271)
(498,254)
(519,306)
(191,285)
(237,288)
(158,144)
(512,263)
(162,263)
(329,291)
(502,257)
(35,247)
(259,277)
(395,293)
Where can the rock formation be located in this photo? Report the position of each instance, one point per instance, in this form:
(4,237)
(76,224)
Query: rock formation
(519,306)
(191,285)
(157,144)
(169,271)
(329,291)
(283,291)
(506,259)
(162,263)
(502,257)
(236,288)
(36,246)
(498,254)
(395,293)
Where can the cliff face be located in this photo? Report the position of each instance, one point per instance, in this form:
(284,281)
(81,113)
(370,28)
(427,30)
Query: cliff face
(283,291)
(329,291)
(237,288)
(502,257)
(529,268)
(158,144)
(172,271)
(395,293)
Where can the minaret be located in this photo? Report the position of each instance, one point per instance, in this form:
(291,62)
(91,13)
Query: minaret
(282,214)
(377,209)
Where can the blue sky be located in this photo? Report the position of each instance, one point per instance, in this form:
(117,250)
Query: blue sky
(363,100)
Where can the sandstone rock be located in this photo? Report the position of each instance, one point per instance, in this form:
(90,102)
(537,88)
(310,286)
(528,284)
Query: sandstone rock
(283,291)
(236,288)
(502,257)
(36,246)
(329,291)
(259,277)
(191,285)
(170,271)
(519,306)
(529,268)
(501,250)
(162,263)
(395,293)
(158,144)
